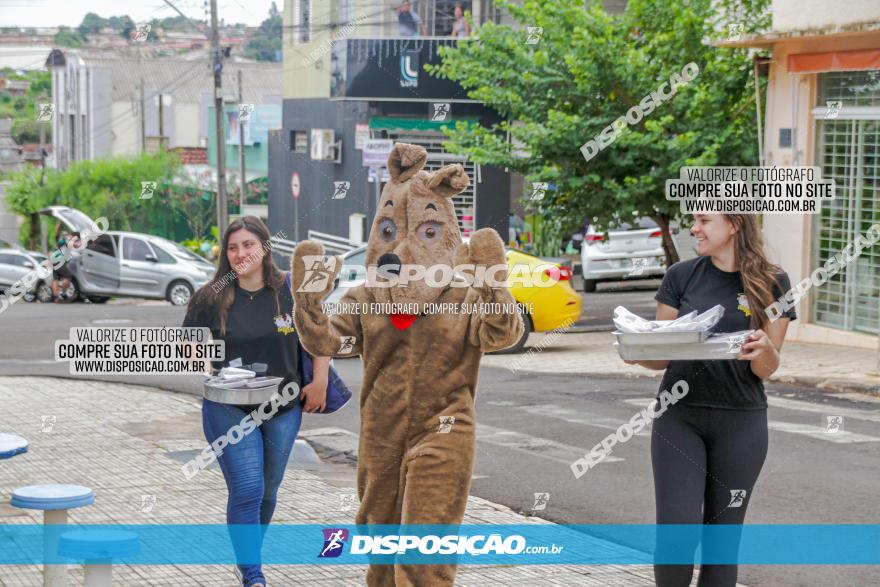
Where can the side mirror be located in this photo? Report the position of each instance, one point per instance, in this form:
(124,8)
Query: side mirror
(151,258)
(28,264)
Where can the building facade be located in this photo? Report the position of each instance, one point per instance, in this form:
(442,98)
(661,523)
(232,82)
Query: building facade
(105,107)
(352,74)
(823,110)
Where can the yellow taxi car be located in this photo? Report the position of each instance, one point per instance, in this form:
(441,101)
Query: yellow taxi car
(544,290)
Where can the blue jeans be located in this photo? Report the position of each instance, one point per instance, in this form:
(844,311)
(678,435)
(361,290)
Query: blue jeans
(253,469)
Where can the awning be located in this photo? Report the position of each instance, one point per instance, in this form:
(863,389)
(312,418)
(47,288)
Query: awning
(859,60)
(391,123)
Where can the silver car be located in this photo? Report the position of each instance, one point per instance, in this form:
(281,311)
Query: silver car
(132,264)
(628,251)
(15,264)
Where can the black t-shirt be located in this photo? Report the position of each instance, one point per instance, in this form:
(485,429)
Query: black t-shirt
(697,284)
(257,331)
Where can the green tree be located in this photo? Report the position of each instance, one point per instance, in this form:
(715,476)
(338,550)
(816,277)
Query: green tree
(23,109)
(124,24)
(196,206)
(587,69)
(91,23)
(265,43)
(104,187)
(68,37)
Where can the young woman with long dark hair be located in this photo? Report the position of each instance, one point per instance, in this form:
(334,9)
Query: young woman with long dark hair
(249,306)
(708,448)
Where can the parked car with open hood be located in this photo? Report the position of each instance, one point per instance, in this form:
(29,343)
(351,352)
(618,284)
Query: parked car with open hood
(132,264)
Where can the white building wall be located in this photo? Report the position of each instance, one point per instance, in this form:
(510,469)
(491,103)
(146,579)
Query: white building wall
(789,102)
(126,130)
(799,15)
(186,124)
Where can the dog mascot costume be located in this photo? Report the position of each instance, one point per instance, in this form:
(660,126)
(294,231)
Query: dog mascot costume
(417,437)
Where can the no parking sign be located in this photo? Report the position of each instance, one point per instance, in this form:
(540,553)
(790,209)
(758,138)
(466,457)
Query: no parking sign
(295,184)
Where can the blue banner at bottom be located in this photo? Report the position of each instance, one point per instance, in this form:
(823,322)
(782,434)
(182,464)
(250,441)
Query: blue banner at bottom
(522,544)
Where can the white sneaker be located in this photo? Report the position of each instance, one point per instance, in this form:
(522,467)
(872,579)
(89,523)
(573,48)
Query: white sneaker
(238,574)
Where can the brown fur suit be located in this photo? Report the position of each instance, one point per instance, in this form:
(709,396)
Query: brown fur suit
(408,471)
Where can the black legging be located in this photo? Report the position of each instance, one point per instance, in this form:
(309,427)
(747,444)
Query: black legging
(699,456)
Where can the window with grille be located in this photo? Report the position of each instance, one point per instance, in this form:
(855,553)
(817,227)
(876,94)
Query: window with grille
(299,141)
(849,153)
(853,88)
(302,21)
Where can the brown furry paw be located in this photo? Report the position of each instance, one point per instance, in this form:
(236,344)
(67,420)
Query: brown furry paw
(485,248)
(312,273)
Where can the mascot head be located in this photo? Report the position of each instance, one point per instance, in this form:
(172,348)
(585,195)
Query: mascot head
(415,227)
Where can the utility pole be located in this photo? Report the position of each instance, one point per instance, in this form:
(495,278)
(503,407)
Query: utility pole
(222,204)
(243,195)
(161,125)
(141,108)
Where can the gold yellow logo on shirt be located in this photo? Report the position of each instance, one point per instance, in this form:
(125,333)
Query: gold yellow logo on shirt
(743,302)
(284,323)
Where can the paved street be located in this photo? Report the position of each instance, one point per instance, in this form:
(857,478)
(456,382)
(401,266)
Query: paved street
(539,412)
(636,295)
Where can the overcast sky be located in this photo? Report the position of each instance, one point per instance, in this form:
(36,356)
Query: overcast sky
(48,13)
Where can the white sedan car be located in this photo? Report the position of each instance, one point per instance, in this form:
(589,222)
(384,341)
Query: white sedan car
(628,251)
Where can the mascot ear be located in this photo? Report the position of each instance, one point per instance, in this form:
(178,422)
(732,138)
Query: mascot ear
(405,161)
(448,181)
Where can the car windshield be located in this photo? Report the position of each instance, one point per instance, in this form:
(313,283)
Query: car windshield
(181,251)
(637,224)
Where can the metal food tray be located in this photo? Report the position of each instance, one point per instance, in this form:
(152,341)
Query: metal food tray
(242,392)
(722,346)
(649,338)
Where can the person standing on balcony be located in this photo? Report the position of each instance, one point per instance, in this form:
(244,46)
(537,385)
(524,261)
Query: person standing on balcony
(409,21)
(460,28)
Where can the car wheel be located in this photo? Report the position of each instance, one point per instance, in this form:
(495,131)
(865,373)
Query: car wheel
(98,299)
(521,342)
(72,291)
(44,293)
(179,293)
(589,285)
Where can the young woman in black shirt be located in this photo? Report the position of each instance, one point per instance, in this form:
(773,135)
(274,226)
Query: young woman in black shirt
(708,448)
(249,306)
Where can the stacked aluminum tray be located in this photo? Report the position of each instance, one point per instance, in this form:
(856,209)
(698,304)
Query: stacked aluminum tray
(242,392)
(679,346)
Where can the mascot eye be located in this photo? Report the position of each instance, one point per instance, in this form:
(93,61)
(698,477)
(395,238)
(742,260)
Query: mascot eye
(430,231)
(387,230)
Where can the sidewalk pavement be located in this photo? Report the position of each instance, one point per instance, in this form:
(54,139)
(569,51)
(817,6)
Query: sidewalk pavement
(838,369)
(128,444)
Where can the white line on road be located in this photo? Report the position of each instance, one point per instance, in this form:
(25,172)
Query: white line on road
(346,441)
(840,437)
(533,445)
(560,413)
